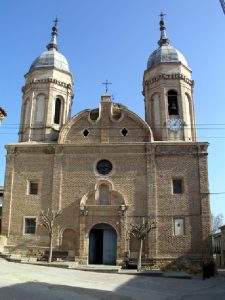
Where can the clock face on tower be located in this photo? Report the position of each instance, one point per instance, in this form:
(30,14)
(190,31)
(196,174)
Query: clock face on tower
(174,124)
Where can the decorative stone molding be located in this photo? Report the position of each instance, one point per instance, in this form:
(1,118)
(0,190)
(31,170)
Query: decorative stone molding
(11,149)
(49,150)
(46,80)
(59,149)
(83,210)
(177,150)
(167,77)
(150,149)
(202,149)
(122,210)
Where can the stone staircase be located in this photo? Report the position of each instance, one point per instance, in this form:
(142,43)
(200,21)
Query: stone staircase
(98,268)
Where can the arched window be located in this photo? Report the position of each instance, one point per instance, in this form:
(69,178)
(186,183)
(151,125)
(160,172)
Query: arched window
(39,109)
(173,108)
(104,194)
(58,104)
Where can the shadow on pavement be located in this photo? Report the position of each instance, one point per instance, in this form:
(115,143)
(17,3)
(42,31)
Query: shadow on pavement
(44,291)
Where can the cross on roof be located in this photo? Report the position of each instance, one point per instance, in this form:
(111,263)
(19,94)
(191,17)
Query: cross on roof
(106,83)
(162,15)
(56,22)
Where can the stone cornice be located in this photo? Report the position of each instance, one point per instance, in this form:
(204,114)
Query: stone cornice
(46,80)
(168,77)
(202,150)
(152,150)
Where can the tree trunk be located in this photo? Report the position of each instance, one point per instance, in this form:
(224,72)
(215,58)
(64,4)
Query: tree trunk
(50,248)
(140,254)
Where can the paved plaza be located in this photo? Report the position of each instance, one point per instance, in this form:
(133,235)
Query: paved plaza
(29,282)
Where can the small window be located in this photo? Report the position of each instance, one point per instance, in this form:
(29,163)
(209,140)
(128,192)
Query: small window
(177,186)
(178,227)
(30,226)
(33,188)
(57,111)
(94,114)
(173,103)
(124,131)
(86,132)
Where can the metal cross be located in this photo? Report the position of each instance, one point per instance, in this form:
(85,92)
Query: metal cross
(106,83)
(56,22)
(162,15)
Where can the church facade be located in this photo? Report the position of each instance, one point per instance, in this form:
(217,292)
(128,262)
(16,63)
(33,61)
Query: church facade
(107,168)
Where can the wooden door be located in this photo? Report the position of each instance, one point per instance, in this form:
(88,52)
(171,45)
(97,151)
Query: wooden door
(109,246)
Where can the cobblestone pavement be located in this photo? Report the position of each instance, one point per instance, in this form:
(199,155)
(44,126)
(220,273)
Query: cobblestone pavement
(28,282)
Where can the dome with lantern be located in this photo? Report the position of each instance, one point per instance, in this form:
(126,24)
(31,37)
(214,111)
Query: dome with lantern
(166,53)
(51,58)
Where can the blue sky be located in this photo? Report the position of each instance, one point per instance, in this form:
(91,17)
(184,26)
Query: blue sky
(113,39)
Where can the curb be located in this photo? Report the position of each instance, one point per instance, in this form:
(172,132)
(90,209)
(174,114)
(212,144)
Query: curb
(113,271)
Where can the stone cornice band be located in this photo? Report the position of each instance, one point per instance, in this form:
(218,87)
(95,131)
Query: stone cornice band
(167,77)
(47,80)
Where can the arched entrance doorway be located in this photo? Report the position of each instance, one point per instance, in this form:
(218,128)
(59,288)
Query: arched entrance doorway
(102,245)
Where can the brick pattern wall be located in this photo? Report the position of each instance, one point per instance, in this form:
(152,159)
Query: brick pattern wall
(141,179)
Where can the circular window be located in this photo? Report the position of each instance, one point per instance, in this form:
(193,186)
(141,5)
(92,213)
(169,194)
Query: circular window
(104,167)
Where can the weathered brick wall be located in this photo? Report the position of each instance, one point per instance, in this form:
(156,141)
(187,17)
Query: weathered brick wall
(77,177)
(141,179)
(26,163)
(181,162)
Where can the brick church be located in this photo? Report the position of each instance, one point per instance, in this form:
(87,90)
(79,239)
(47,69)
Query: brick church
(108,167)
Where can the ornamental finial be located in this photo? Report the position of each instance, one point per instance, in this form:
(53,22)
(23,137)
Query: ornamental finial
(53,41)
(164,41)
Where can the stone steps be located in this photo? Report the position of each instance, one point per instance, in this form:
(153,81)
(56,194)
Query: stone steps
(94,268)
(150,273)
(98,268)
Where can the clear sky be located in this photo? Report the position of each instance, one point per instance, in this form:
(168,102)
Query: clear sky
(113,39)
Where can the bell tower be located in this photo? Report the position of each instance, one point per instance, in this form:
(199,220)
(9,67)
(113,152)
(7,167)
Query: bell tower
(47,95)
(168,92)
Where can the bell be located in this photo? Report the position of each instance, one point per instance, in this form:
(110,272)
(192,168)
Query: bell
(173,106)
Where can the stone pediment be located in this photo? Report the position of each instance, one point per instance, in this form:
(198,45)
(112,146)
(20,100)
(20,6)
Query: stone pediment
(111,123)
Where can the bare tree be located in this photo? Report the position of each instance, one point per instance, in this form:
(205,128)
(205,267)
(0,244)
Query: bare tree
(217,222)
(48,221)
(140,232)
